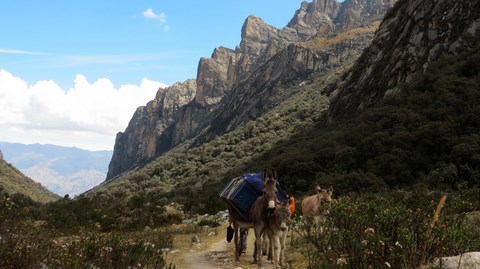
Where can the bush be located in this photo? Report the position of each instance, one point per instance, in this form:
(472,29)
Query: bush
(401,229)
(112,251)
(27,248)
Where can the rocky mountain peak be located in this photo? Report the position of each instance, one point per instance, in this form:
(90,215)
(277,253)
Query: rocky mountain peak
(314,17)
(150,134)
(215,76)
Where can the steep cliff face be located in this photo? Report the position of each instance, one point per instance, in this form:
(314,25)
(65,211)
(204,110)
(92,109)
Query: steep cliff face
(215,76)
(260,42)
(316,18)
(327,17)
(138,143)
(255,95)
(357,13)
(413,34)
(228,69)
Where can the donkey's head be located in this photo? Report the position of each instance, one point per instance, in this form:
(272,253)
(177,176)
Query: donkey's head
(270,190)
(323,194)
(282,214)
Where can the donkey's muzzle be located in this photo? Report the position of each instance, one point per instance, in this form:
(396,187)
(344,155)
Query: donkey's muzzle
(271,211)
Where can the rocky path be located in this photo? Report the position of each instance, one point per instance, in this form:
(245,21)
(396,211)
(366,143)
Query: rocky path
(220,255)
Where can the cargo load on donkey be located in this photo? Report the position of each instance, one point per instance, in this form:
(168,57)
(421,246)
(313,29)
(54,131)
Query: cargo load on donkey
(248,197)
(240,193)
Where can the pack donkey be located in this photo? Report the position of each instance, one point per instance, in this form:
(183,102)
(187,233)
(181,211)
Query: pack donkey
(261,212)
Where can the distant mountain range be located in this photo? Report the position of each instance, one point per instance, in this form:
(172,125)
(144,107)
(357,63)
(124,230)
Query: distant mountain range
(62,170)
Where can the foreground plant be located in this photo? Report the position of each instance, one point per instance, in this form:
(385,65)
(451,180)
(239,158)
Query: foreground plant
(394,230)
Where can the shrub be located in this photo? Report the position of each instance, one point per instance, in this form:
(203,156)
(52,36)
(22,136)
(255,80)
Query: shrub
(401,229)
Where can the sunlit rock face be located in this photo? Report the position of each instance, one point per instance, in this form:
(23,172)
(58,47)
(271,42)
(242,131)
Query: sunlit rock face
(138,143)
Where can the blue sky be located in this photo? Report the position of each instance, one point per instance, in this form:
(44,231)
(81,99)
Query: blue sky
(72,73)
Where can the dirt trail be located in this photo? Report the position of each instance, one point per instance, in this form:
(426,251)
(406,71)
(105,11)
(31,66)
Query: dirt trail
(215,257)
(220,255)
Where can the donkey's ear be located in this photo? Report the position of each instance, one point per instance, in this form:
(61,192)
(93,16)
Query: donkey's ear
(274,174)
(317,188)
(264,175)
(330,190)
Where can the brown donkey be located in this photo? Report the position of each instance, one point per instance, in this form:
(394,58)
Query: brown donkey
(277,228)
(261,212)
(312,205)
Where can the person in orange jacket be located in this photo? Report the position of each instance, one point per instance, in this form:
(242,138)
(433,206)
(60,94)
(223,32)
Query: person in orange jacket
(292,203)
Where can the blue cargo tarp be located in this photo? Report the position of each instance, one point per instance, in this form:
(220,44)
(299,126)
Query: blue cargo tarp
(255,180)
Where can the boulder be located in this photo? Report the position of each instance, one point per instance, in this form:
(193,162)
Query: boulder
(469,260)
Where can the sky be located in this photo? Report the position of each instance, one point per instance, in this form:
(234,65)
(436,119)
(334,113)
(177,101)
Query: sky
(72,73)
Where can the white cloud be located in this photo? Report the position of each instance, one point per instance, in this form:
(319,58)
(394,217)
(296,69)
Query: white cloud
(87,116)
(10,51)
(151,15)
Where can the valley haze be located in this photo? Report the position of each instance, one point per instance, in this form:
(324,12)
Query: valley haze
(62,170)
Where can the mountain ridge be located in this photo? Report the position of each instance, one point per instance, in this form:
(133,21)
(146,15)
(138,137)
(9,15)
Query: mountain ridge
(227,68)
(394,149)
(417,33)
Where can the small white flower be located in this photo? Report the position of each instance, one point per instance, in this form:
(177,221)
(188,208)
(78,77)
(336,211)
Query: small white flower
(342,261)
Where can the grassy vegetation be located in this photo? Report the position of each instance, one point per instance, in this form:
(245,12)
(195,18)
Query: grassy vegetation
(398,228)
(425,136)
(328,42)
(13,181)
(183,174)
(33,235)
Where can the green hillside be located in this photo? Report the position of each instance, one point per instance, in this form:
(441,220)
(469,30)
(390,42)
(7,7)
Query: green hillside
(13,181)
(204,169)
(426,136)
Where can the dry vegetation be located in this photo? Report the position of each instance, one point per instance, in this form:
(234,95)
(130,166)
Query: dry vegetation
(328,42)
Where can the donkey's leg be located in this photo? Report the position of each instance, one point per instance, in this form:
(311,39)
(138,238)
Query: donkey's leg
(243,240)
(268,236)
(270,250)
(275,241)
(235,241)
(283,237)
(259,229)
(265,244)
